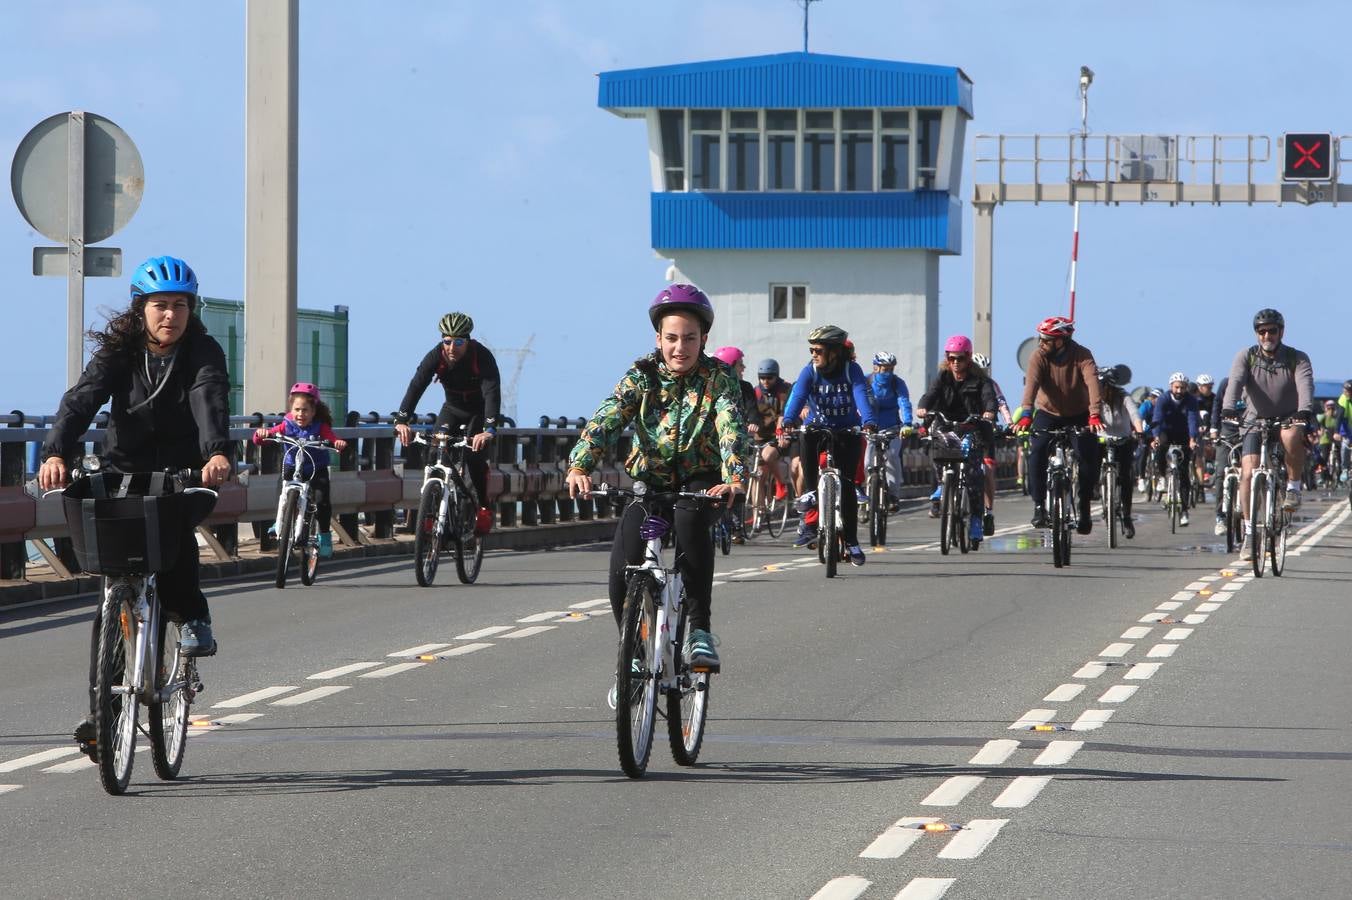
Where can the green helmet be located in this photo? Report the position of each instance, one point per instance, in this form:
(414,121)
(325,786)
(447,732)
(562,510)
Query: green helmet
(828,334)
(456,324)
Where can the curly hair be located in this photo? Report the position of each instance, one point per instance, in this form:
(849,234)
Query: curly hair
(126,330)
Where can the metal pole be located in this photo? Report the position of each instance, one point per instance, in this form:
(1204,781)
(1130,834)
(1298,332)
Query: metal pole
(982,279)
(75,204)
(1086,79)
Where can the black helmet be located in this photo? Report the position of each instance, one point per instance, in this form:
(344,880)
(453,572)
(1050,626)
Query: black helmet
(1268,317)
(1108,375)
(1347,385)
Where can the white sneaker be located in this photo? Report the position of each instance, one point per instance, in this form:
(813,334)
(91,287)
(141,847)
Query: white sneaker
(1182,518)
(1292,501)
(1220,527)
(1246,549)
(1140,485)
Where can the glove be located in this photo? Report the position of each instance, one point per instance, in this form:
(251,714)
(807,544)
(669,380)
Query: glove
(1215,434)
(906,431)
(922,431)
(1024,423)
(1095,422)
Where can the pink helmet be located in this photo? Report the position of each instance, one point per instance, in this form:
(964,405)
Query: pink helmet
(304,387)
(730,355)
(958,343)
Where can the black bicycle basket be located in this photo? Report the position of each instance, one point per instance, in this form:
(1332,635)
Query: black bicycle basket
(124,524)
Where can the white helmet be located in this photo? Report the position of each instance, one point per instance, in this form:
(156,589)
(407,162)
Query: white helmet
(1178,376)
(1204,379)
(981,360)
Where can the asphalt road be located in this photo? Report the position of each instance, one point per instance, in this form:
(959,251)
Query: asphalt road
(1199,743)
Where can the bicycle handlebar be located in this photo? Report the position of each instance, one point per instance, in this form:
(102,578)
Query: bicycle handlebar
(606,490)
(442,437)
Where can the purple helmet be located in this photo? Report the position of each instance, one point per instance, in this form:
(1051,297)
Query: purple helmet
(681,298)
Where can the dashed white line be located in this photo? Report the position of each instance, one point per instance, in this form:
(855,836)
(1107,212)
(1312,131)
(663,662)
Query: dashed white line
(1178,634)
(1185,596)
(529,631)
(342,670)
(462,650)
(1063,693)
(589,604)
(266,693)
(994,753)
(1118,693)
(542,617)
(35,759)
(952,791)
(485,632)
(1091,719)
(318,693)
(6,788)
(1208,607)
(74,765)
(236,718)
(1116,650)
(1221,596)
(1090,670)
(925,889)
(420,650)
(1207,579)
(846,887)
(1162,651)
(1058,753)
(1136,632)
(1196,586)
(1021,791)
(897,839)
(1169,606)
(392,670)
(1141,671)
(974,838)
(1196,618)
(1034,717)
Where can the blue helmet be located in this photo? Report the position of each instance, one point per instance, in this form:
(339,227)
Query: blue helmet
(164,275)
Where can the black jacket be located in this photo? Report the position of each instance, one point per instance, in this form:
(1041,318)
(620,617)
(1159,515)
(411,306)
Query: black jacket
(473,386)
(187,422)
(973,396)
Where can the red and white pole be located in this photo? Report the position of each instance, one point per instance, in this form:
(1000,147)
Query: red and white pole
(1086,79)
(1074,259)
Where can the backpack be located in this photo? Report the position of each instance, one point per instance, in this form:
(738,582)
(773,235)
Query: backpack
(1286,357)
(442,368)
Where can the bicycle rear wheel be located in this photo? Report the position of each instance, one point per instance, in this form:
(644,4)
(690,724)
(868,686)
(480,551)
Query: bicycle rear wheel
(687,702)
(286,532)
(946,511)
(115,702)
(826,515)
(1110,511)
(1172,501)
(636,676)
(426,539)
(1258,500)
(877,499)
(778,515)
(724,532)
(169,717)
(309,553)
(962,519)
(469,546)
(1234,522)
(1059,530)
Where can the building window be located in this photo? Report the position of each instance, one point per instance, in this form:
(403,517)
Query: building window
(744,150)
(673,148)
(894,165)
(706,134)
(927,130)
(856,149)
(788,302)
(781,149)
(819,150)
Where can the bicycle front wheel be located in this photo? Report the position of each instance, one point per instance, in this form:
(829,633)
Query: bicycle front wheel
(779,513)
(1234,523)
(636,676)
(1172,501)
(1059,530)
(286,534)
(427,539)
(1258,502)
(1110,510)
(946,512)
(115,701)
(309,553)
(877,498)
(469,546)
(1276,538)
(826,515)
(169,717)
(687,704)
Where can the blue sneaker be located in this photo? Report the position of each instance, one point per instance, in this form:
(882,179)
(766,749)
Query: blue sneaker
(975,533)
(859,495)
(807,535)
(195,639)
(700,652)
(856,555)
(938,492)
(325,545)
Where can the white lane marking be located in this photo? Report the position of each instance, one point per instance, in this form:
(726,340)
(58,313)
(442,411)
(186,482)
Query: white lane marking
(1116,650)
(974,837)
(746,570)
(897,839)
(1034,717)
(1196,586)
(1091,719)
(1058,753)
(318,693)
(1063,693)
(1207,579)
(528,631)
(715,584)
(1135,633)
(846,887)
(421,649)
(1221,596)
(1021,791)
(1142,671)
(6,788)
(462,650)
(541,617)
(253,697)
(1118,692)
(342,670)
(392,670)
(485,632)
(1090,670)
(952,791)
(1178,634)
(1196,618)
(588,604)
(994,753)
(804,559)
(1208,607)
(925,889)
(1323,532)
(74,765)
(1154,617)
(751,574)
(1162,651)
(34,759)
(1168,606)
(236,718)
(1185,596)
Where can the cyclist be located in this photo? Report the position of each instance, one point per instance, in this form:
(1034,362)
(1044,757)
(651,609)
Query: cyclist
(1022,440)
(1224,434)
(166,378)
(1206,399)
(1063,378)
(308,417)
(734,359)
(983,362)
(1278,382)
(468,373)
(1327,427)
(1345,409)
(772,393)
(1175,422)
(688,436)
(892,407)
(961,390)
(836,393)
(1120,420)
(1146,413)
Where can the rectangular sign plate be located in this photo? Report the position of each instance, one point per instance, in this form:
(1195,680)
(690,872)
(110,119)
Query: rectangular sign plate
(99,262)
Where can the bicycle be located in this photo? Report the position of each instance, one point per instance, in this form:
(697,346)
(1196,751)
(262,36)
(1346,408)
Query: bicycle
(768,510)
(652,644)
(1152,474)
(296,513)
(127,528)
(961,483)
(447,511)
(721,532)
(1173,496)
(876,482)
(831,549)
(1231,513)
(1109,491)
(1061,506)
(1269,522)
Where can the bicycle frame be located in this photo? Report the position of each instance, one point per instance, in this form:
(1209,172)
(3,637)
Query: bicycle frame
(299,485)
(146,615)
(447,469)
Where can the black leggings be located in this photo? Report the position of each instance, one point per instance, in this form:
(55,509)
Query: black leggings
(1126,463)
(451,419)
(1086,445)
(846,450)
(319,491)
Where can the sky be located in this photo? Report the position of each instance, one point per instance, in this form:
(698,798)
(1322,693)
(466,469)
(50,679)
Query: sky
(452,156)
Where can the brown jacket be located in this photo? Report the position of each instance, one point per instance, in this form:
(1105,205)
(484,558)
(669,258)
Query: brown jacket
(1066,388)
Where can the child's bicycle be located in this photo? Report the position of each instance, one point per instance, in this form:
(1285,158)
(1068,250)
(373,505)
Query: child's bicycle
(297,512)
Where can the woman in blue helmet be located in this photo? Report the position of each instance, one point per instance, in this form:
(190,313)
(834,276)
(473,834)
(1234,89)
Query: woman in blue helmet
(169,392)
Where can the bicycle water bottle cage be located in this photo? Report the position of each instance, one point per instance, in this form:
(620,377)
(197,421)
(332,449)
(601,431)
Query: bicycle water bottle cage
(653,528)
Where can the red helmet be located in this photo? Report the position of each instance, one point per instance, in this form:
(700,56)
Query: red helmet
(306,388)
(1056,326)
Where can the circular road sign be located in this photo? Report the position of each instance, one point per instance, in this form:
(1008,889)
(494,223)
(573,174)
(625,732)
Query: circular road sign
(114,178)
(1025,352)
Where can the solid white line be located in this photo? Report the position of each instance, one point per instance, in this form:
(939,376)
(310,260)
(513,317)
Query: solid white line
(1063,693)
(1058,753)
(393,670)
(529,630)
(313,694)
(994,753)
(588,604)
(485,632)
(1119,692)
(6,788)
(543,617)
(1322,533)
(1135,633)
(925,889)
(342,670)
(253,697)
(1208,607)
(235,718)
(1116,650)
(897,839)
(1141,671)
(1034,717)
(1178,634)
(1195,619)
(846,887)
(421,649)
(1162,651)
(1090,670)
(975,837)
(462,650)
(951,792)
(1091,719)
(1021,791)
(38,758)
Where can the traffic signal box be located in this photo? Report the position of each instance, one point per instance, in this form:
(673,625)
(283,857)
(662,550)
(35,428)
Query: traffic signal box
(1307,156)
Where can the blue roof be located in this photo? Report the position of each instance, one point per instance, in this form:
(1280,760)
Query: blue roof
(786,80)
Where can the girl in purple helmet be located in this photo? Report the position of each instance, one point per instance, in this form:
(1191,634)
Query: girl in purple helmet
(309,417)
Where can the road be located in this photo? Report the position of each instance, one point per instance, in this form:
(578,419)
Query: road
(1199,745)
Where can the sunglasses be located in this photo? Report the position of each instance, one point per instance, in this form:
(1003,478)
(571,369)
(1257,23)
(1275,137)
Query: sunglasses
(457,343)
(816,351)
(962,358)
(1266,331)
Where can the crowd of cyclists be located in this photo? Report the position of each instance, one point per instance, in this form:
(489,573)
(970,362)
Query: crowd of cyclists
(697,425)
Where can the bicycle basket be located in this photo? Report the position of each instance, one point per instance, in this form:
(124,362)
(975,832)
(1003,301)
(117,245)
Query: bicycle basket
(941,453)
(130,524)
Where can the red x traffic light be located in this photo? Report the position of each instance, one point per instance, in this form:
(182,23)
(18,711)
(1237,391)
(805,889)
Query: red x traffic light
(1307,157)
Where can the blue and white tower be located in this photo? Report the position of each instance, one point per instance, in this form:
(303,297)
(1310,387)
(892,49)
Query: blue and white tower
(799,189)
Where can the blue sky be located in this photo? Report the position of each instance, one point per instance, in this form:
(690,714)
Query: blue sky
(452,157)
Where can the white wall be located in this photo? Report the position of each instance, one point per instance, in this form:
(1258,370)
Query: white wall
(886,299)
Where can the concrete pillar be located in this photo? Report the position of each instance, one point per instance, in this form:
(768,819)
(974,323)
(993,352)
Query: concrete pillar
(982,274)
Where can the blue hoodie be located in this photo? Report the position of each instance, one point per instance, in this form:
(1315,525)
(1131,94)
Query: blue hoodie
(890,395)
(1175,419)
(836,402)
